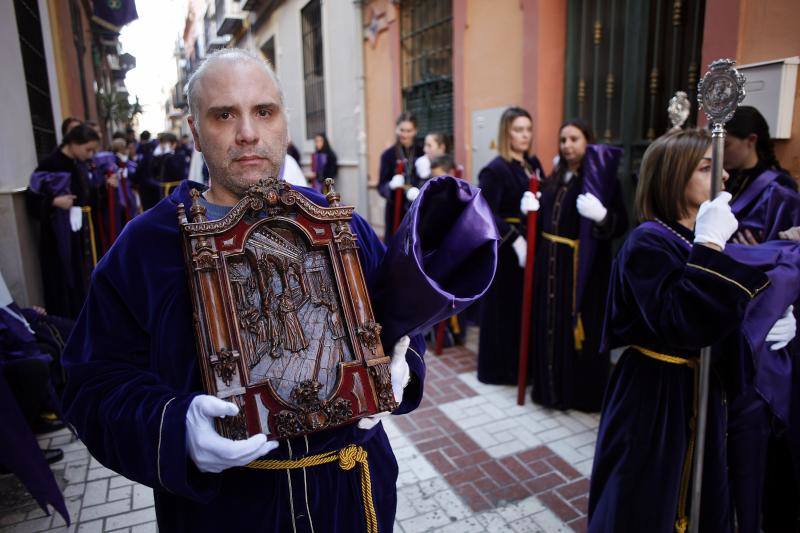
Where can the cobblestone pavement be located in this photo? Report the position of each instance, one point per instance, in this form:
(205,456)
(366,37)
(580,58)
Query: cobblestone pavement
(470,459)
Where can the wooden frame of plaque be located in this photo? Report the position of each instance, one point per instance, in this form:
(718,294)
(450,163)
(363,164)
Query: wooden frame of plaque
(283,321)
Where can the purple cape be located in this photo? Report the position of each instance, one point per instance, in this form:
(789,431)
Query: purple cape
(780,261)
(52,184)
(766,206)
(599,177)
(443,258)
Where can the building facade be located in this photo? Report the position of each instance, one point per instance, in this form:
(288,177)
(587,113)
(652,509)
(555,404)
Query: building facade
(56,63)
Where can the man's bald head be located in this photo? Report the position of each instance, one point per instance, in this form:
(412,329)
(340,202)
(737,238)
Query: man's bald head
(235,55)
(238,122)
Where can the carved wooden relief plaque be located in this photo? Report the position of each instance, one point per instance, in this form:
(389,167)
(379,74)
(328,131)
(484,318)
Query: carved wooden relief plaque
(283,321)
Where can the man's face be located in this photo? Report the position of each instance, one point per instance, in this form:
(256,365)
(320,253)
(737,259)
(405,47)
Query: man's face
(241,127)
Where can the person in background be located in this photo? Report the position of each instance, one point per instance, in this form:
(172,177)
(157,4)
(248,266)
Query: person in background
(503,182)
(144,169)
(765,198)
(323,162)
(397,170)
(69,123)
(581,213)
(62,199)
(293,152)
(766,203)
(435,145)
(185,150)
(442,165)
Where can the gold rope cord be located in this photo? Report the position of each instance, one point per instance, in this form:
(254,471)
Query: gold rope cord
(348,457)
(88,212)
(167,186)
(578,332)
(682,522)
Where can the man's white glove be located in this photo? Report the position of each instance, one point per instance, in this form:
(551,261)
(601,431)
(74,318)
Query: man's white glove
(412,193)
(401,375)
(423,167)
(590,207)
(520,246)
(783,331)
(715,221)
(397,181)
(211,452)
(529,202)
(75,218)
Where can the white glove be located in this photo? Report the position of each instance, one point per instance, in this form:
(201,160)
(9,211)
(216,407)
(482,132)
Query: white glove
(412,194)
(590,207)
(715,222)
(75,218)
(423,167)
(397,181)
(520,246)
(211,452)
(401,375)
(783,331)
(529,202)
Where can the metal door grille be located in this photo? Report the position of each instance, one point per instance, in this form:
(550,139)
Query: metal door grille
(426,39)
(625,60)
(313,71)
(29,27)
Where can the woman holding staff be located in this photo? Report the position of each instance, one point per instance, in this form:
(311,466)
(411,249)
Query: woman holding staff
(671,293)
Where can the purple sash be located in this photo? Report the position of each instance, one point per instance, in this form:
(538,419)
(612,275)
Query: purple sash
(599,173)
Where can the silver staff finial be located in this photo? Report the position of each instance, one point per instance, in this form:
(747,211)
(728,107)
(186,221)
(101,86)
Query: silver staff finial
(720,91)
(678,109)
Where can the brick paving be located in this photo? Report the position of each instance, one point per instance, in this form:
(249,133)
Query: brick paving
(471,460)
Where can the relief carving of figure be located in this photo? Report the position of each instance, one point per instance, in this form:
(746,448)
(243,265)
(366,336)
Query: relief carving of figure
(294,339)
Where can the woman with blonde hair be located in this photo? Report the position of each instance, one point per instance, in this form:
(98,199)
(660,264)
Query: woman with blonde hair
(503,182)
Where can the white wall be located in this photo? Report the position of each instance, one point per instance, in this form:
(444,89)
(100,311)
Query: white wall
(18,260)
(343,86)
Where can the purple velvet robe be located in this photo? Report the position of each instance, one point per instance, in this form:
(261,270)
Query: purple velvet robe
(767,205)
(19,451)
(503,183)
(569,371)
(389,159)
(66,256)
(132,373)
(672,298)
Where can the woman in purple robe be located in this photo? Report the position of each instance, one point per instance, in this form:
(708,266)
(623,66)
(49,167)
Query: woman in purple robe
(765,199)
(503,182)
(672,292)
(766,202)
(60,197)
(324,164)
(581,213)
(397,170)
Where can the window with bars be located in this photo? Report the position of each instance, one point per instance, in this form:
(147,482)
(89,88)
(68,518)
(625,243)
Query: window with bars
(426,55)
(313,71)
(29,26)
(625,60)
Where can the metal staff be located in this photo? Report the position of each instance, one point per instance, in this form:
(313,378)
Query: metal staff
(527,296)
(400,168)
(718,94)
